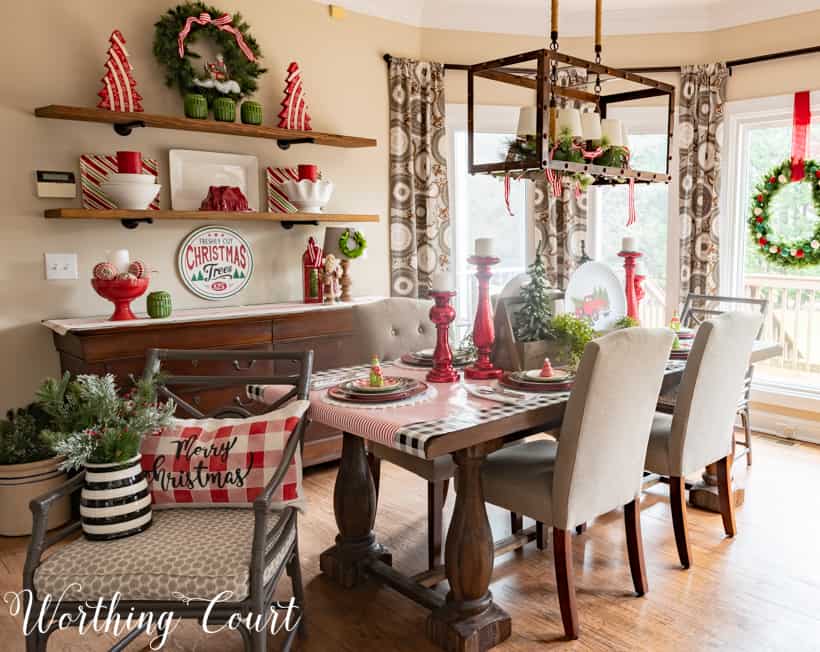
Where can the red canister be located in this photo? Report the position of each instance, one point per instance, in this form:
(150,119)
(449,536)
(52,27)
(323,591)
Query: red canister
(309,172)
(129,162)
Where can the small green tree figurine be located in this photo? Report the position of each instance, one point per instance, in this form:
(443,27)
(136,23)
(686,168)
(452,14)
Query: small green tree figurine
(531,323)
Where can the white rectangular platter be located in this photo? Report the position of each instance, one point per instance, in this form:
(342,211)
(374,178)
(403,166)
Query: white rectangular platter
(193,172)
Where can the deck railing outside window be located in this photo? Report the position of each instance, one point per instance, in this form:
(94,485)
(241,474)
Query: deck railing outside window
(793,320)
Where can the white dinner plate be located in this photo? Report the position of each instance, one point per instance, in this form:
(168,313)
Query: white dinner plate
(595,292)
(193,172)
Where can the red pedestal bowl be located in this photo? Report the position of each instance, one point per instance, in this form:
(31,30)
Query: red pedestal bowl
(121,292)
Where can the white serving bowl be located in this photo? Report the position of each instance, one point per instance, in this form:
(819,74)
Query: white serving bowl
(308,196)
(132,196)
(122,177)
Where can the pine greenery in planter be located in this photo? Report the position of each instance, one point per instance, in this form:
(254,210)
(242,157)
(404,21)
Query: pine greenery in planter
(92,423)
(21,436)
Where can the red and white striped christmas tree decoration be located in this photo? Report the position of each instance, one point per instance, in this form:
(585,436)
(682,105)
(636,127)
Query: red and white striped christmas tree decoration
(294,113)
(119,91)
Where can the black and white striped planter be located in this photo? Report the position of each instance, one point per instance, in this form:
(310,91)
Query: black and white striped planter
(115,501)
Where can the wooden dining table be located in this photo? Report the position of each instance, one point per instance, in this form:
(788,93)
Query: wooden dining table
(449,420)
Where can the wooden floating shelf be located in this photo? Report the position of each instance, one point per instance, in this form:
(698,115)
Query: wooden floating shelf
(124,122)
(131,218)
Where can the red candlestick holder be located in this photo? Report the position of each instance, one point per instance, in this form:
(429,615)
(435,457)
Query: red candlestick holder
(634,291)
(483,329)
(442,314)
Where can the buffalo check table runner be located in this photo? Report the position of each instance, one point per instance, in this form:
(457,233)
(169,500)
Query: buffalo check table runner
(409,428)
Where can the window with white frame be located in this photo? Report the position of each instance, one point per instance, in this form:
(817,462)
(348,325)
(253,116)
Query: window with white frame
(478,207)
(757,137)
(653,230)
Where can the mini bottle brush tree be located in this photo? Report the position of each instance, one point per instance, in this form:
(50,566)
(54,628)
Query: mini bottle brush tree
(531,323)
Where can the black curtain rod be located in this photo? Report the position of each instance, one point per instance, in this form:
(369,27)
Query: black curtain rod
(734,63)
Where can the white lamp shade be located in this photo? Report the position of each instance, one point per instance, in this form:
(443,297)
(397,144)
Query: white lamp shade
(591,126)
(569,120)
(612,130)
(527,121)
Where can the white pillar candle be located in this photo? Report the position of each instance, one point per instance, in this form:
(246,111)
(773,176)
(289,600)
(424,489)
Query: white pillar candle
(441,282)
(611,129)
(629,244)
(569,120)
(527,121)
(591,126)
(120,259)
(484,247)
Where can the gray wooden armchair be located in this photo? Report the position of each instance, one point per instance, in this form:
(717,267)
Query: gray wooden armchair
(195,553)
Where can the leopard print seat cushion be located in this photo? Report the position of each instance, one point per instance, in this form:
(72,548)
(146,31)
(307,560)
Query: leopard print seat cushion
(191,553)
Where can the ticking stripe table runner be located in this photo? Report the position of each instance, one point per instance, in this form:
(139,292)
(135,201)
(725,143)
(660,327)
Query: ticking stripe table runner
(409,428)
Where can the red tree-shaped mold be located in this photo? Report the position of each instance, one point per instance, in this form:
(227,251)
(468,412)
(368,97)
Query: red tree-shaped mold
(294,113)
(119,91)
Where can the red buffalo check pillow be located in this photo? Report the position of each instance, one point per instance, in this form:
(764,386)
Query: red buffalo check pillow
(223,462)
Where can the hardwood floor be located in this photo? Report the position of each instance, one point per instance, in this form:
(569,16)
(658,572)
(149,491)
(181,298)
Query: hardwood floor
(757,591)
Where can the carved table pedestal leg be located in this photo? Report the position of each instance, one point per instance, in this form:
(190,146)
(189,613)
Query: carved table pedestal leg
(354,504)
(469,621)
(704,494)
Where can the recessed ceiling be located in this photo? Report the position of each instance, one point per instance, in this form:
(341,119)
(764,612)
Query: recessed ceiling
(576,16)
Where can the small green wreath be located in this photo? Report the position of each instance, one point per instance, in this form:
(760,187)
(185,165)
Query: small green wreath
(358,238)
(178,69)
(795,253)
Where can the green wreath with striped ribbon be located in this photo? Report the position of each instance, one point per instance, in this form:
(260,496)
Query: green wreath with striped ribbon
(802,252)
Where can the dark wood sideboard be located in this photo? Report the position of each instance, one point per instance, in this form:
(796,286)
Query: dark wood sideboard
(121,351)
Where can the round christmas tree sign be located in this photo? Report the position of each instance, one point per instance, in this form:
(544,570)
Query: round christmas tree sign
(215,262)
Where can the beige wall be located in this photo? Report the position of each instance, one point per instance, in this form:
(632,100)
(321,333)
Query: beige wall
(61,62)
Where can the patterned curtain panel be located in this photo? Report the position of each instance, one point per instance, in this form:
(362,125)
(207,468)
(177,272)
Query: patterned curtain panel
(419,204)
(702,95)
(562,227)
(561,223)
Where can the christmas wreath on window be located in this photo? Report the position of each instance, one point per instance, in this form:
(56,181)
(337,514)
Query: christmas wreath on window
(236,69)
(793,253)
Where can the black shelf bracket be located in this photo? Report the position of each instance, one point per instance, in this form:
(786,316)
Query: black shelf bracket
(285,143)
(125,128)
(133,223)
(288,224)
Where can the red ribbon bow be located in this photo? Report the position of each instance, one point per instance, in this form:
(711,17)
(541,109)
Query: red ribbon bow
(800,133)
(222,23)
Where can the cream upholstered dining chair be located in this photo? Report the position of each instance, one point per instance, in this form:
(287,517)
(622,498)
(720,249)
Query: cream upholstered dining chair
(696,309)
(597,463)
(701,429)
(388,329)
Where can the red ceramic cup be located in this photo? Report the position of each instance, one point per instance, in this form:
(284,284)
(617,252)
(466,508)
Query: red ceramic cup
(129,162)
(309,172)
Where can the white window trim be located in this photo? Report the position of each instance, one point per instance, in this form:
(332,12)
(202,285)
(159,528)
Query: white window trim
(739,116)
(491,119)
(647,120)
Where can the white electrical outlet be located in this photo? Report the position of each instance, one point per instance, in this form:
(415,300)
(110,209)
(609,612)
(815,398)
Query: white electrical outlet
(61,267)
